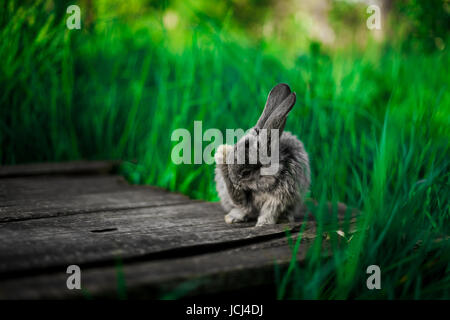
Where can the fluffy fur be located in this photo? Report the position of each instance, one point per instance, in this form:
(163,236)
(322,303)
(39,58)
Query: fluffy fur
(246,194)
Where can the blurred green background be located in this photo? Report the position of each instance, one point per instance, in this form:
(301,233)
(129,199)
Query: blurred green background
(373,110)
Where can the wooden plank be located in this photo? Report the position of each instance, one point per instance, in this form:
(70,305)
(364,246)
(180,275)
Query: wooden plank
(50,222)
(15,190)
(245,266)
(225,270)
(49,168)
(38,244)
(232,269)
(112,201)
(39,197)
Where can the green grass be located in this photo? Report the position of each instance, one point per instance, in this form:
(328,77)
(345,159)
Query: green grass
(376,124)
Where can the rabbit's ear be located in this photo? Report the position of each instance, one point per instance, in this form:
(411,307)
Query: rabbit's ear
(276,96)
(277,119)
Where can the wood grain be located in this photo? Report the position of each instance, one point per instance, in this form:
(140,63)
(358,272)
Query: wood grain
(78,239)
(39,197)
(49,168)
(233,269)
(56,215)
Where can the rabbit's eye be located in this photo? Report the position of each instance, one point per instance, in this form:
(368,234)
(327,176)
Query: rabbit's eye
(245,173)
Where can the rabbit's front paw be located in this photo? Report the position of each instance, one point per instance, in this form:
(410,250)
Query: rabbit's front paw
(265,220)
(234,216)
(221,153)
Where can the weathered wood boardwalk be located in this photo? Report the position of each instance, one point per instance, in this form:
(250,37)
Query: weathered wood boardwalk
(152,242)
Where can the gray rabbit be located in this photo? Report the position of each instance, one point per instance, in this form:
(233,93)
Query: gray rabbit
(245,192)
